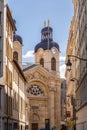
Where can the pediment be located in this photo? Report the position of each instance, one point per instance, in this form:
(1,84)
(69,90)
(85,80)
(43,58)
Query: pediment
(37,73)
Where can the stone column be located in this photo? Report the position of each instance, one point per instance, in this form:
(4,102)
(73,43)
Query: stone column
(57,105)
(51,104)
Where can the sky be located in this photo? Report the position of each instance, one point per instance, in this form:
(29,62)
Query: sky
(30,16)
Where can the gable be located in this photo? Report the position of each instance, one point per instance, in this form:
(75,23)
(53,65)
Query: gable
(35,72)
(38,76)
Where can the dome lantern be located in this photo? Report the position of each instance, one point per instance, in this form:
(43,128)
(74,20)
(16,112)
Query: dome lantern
(46,39)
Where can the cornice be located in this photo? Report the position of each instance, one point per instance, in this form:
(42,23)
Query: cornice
(9,15)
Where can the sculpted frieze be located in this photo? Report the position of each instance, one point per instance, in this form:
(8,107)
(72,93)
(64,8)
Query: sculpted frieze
(36,76)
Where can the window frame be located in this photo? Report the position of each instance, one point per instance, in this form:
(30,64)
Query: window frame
(53,64)
(42,62)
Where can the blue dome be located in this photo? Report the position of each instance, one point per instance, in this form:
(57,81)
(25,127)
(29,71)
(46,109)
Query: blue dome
(46,29)
(17,38)
(46,46)
(46,40)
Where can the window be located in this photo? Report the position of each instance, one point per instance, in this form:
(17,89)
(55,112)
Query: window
(0,123)
(15,126)
(0,97)
(35,90)
(15,56)
(42,62)
(0,44)
(5,126)
(0,68)
(0,17)
(0,57)
(21,105)
(53,64)
(35,107)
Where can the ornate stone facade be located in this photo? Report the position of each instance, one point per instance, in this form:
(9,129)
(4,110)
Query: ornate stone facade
(43,83)
(43,91)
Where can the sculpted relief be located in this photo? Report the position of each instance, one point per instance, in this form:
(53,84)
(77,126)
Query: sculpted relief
(36,76)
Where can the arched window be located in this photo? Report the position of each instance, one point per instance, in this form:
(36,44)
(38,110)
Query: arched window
(15,56)
(53,64)
(42,62)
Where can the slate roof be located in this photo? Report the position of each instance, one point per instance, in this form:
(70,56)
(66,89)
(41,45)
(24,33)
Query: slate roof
(46,29)
(29,67)
(45,45)
(17,38)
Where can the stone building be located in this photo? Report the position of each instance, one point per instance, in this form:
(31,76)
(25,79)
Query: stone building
(79,63)
(19,86)
(6,45)
(44,84)
(12,80)
(70,76)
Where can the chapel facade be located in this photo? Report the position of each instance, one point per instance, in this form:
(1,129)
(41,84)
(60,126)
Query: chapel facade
(43,84)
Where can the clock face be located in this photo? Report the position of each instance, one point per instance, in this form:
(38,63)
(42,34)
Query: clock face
(54,50)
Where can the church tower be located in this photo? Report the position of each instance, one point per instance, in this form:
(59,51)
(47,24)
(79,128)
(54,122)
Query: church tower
(43,84)
(47,51)
(17,49)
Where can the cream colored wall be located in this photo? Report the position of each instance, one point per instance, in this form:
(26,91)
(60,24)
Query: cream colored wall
(18,48)
(47,56)
(3,35)
(19,88)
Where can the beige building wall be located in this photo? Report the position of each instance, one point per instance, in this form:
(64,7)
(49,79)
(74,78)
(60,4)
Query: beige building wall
(18,49)
(8,28)
(9,104)
(19,86)
(19,99)
(80,66)
(70,75)
(3,40)
(47,56)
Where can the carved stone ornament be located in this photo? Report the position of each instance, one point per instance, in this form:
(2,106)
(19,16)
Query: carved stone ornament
(35,76)
(35,90)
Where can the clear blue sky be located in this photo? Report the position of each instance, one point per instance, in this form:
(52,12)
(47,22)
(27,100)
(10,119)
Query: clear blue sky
(30,16)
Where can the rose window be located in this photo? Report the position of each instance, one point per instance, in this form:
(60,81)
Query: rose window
(35,90)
